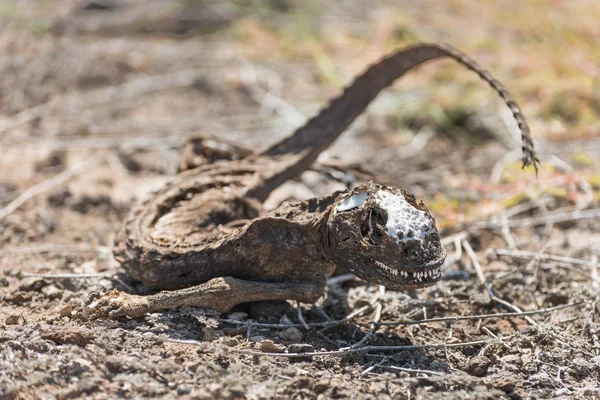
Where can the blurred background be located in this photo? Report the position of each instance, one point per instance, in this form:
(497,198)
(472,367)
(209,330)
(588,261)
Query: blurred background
(135,78)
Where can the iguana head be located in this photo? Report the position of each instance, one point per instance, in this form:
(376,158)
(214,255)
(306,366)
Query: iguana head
(382,235)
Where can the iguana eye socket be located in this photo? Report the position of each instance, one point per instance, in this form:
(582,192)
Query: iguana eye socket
(372,225)
(379,215)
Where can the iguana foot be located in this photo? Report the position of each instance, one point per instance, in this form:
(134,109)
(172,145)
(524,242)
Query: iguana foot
(113,304)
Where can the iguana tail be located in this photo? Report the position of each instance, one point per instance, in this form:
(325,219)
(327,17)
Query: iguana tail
(321,130)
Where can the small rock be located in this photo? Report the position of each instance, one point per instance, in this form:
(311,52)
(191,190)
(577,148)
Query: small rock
(5,336)
(591,392)
(38,345)
(55,161)
(181,390)
(230,341)
(33,285)
(481,297)
(504,326)
(66,311)
(512,359)
(77,336)
(269,346)
(98,5)
(234,331)
(478,366)
(439,366)
(58,198)
(300,348)
(210,334)
(116,364)
(321,387)
(237,316)
(291,335)
(14,319)
(19,297)
(256,338)
(505,381)
(52,292)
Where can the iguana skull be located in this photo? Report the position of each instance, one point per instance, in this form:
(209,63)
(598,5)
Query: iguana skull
(382,235)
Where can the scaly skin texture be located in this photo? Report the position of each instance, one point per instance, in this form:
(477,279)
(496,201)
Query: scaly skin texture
(206,235)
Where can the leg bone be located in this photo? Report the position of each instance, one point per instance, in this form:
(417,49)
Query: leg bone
(219,293)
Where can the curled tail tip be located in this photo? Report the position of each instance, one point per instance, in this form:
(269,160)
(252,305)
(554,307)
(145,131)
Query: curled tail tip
(530,159)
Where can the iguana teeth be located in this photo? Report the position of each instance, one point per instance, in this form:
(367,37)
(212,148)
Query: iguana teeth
(387,268)
(418,276)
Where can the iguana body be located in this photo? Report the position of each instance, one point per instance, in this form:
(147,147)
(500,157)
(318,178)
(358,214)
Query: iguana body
(205,231)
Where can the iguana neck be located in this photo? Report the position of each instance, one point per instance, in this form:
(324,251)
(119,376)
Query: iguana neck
(296,152)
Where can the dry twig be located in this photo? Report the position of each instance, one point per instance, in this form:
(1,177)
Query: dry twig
(301,317)
(336,353)
(55,249)
(544,257)
(268,99)
(408,322)
(372,367)
(550,218)
(483,316)
(373,326)
(68,276)
(411,370)
(484,283)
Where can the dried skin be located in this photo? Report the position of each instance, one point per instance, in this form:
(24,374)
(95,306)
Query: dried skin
(206,227)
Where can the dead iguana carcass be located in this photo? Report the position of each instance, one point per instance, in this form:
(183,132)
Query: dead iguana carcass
(205,239)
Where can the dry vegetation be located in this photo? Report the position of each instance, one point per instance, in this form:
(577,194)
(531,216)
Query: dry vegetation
(95,101)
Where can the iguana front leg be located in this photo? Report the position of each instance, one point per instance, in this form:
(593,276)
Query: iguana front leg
(219,294)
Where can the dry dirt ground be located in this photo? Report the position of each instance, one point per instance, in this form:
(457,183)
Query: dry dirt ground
(96,98)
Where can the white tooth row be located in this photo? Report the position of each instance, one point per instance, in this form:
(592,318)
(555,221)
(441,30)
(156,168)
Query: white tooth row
(387,268)
(419,276)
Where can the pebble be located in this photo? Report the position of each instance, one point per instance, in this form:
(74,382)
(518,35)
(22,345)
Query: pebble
(52,292)
(66,311)
(269,346)
(77,336)
(14,319)
(237,316)
(291,335)
(300,348)
(478,366)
